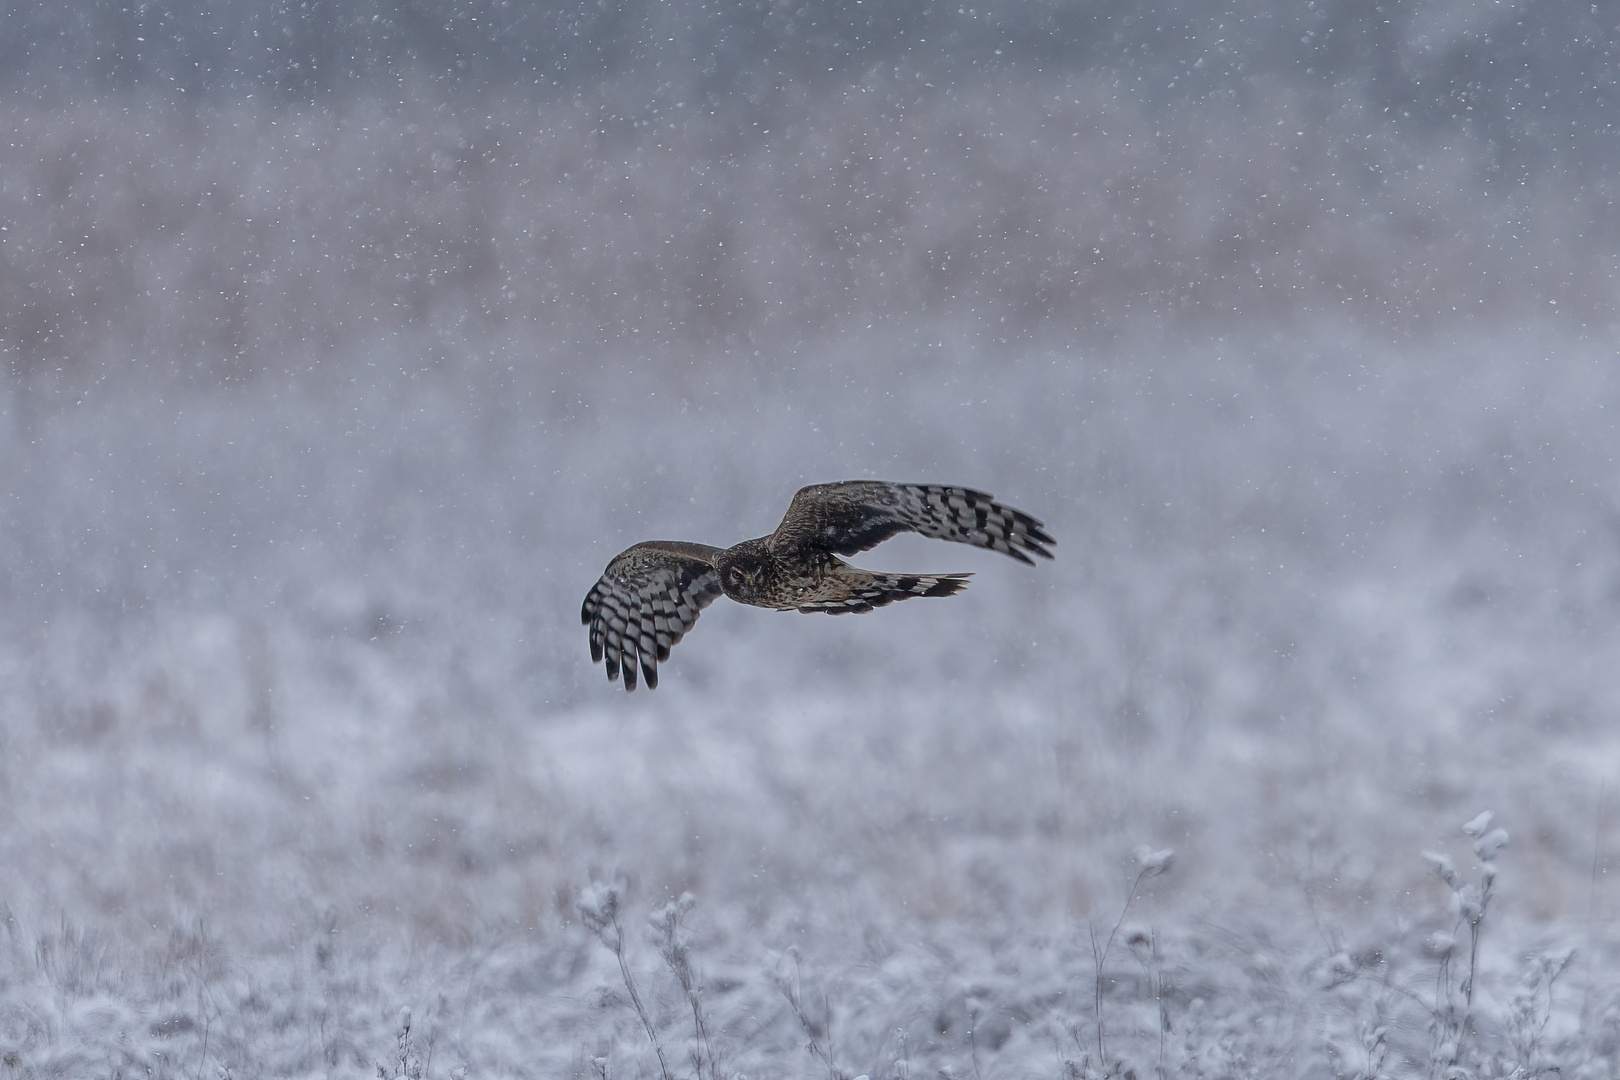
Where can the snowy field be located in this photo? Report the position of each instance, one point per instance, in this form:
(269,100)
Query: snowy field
(320,422)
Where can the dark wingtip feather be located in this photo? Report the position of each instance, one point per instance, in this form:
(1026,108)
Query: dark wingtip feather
(1038,537)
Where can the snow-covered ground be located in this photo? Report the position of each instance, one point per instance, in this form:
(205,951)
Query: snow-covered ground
(320,423)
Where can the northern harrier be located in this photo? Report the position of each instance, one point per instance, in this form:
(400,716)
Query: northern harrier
(651,594)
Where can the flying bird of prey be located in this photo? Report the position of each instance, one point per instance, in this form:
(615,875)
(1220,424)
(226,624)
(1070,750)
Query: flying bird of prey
(650,595)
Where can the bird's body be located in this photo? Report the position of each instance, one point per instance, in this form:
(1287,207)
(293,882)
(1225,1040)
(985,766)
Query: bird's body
(753,572)
(650,595)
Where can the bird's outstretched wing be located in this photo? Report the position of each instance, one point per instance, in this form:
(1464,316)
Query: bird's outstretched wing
(854,515)
(646,600)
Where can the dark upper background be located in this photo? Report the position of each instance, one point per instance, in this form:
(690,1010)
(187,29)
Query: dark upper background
(235,188)
(1535,77)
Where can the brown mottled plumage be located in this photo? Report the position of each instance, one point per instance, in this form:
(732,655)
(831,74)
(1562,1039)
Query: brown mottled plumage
(651,594)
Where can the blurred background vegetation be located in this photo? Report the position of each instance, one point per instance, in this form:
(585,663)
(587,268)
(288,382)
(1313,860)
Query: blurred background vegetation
(227,190)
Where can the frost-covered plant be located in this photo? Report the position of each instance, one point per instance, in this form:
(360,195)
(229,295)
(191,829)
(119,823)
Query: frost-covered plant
(408,1063)
(1532,1009)
(900,1060)
(1144,945)
(1374,1040)
(1150,863)
(675,947)
(1453,1021)
(598,907)
(791,986)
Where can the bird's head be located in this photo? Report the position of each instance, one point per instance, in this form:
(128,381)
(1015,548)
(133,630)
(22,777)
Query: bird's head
(742,570)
